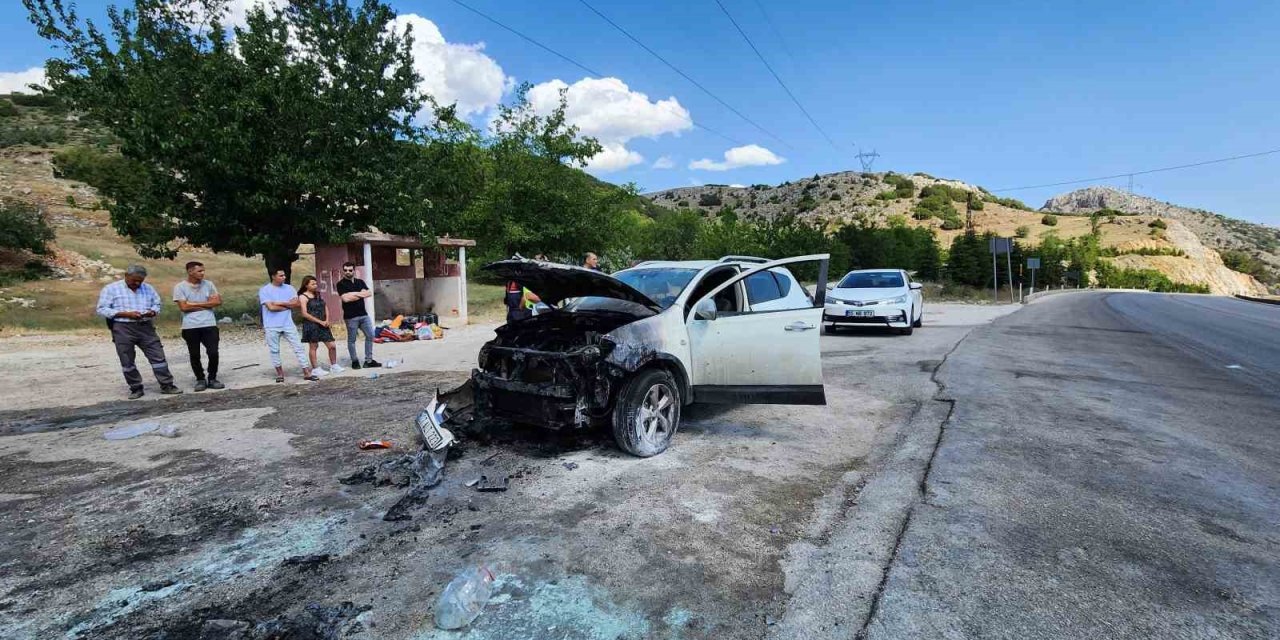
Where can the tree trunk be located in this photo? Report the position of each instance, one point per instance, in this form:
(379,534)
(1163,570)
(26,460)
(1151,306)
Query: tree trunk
(281,257)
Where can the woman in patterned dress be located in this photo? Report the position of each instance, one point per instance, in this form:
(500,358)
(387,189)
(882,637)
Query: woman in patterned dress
(315,324)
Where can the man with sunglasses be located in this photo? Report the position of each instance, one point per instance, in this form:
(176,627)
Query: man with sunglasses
(353,291)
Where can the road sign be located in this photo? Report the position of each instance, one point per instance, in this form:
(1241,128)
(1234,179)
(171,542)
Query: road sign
(1033,263)
(1001,245)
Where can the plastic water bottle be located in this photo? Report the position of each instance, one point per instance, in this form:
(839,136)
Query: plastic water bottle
(464,598)
(373,376)
(130,431)
(391,364)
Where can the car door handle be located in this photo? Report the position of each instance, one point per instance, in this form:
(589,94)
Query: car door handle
(799,326)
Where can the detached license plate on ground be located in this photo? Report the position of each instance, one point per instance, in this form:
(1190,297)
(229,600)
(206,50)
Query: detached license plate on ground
(859,313)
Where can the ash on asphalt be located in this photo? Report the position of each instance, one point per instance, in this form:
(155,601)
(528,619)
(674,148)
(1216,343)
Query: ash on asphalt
(221,529)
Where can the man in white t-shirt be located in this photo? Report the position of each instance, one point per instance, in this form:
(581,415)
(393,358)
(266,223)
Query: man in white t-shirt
(197,298)
(278,301)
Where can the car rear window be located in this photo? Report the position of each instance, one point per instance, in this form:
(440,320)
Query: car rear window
(763,287)
(873,280)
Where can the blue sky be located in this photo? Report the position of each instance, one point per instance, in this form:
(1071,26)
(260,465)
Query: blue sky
(1004,94)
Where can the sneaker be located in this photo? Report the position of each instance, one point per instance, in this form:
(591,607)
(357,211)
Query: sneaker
(135,394)
(201,385)
(372,364)
(312,378)
(355,364)
(319,371)
(170,390)
(214,384)
(336,368)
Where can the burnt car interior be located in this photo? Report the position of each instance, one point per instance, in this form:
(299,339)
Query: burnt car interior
(728,301)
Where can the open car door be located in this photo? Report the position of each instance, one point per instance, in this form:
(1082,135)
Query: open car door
(761,357)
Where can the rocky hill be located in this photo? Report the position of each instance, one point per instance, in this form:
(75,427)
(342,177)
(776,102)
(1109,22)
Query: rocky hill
(1232,237)
(1191,237)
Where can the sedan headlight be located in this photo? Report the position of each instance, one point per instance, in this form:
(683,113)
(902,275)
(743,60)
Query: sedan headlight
(897,300)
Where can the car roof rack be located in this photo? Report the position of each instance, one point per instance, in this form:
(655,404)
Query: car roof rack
(743,259)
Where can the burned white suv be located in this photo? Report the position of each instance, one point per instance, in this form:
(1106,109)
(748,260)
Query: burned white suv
(631,349)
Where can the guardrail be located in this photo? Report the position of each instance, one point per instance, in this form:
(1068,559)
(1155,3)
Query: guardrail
(1262,300)
(1040,294)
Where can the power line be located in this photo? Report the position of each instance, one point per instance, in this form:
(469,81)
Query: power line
(573,62)
(773,27)
(776,76)
(1130,174)
(682,73)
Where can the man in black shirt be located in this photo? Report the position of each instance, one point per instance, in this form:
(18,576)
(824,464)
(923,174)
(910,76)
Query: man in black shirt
(353,291)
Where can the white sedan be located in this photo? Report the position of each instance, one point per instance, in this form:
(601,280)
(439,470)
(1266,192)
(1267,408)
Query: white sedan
(878,297)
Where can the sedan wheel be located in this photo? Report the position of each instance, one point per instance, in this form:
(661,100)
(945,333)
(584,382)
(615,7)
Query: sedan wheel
(647,413)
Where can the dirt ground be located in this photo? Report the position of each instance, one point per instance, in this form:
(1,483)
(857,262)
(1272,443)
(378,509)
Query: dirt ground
(241,528)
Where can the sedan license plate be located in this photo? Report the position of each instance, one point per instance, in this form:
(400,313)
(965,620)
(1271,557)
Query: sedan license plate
(859,313)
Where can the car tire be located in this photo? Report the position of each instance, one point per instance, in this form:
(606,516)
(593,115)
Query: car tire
(919,321)
(910,325)
(646,413)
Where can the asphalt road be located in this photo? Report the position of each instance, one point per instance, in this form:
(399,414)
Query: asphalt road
(1111,469)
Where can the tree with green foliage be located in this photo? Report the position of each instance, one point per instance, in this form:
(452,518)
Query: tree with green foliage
(1158,223)
(23,227)
(969,260)
(1022,231)
(1049,220)
(673,236)
(254,139)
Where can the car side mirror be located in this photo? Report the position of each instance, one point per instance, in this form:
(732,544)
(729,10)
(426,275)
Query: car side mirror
(705,309)
(916,286)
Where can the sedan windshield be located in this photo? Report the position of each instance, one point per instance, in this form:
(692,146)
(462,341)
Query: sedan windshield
(872,280)
(662,285)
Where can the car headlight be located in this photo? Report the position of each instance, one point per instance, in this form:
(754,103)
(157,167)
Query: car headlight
(897,300)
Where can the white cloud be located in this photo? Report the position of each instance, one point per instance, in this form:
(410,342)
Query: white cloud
(665,162)
(737,186)
(453,72)
(17,81)
(752,155)
(609,111)
(235,13)
(615,157)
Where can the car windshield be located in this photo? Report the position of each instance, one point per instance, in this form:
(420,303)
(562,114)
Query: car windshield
(663,285)
(873,280)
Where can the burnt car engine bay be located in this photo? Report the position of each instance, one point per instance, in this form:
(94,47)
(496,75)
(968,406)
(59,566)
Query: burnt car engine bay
(551,369)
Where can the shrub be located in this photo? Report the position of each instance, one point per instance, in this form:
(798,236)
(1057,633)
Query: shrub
(23,227)
(1012,203)
(1158,223)
(974,202)
(807,203)
(7,109)
(775,200)
(955,194)
(1022,231)
(109,172)
(935,205)
(902,187)
(835,196)
(1049,220)
(710,200)
(952,223)
(34,136)
(34,100)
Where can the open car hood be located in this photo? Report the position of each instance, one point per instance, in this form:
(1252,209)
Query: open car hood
(554,283)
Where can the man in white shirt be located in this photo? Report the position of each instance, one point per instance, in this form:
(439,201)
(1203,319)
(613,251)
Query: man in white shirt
(278,301)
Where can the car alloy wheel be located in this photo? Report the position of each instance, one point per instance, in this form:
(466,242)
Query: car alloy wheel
(647,413)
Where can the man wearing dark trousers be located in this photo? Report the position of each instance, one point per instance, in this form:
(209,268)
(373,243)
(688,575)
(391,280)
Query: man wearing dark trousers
(353,291)
(129,306)
(197,298)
